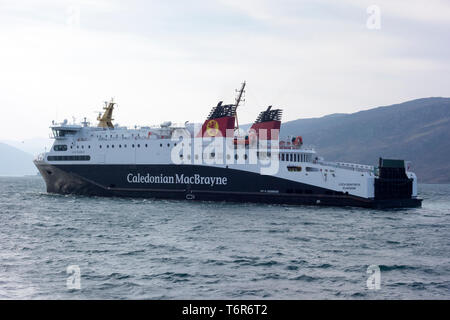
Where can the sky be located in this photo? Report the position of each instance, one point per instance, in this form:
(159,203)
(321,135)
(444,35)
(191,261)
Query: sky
(175,59)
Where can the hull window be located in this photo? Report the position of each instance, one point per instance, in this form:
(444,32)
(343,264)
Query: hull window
(68,158)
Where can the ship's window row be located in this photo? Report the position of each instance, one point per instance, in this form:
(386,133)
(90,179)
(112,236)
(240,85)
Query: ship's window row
(294,157)
(212,155)
(133,145)
(124,146)
(64,147)
(68,158)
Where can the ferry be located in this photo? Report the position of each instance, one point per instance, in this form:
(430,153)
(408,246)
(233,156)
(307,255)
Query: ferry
(215,161)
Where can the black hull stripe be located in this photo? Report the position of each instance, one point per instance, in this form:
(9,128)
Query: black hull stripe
(71,179)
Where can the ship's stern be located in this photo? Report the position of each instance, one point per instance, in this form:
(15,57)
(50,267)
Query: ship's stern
(395,186)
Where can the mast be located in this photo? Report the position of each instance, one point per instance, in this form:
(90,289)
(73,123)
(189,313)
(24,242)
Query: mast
(105,120)
(239,98)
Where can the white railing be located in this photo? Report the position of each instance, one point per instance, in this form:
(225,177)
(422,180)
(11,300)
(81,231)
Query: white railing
(349,166)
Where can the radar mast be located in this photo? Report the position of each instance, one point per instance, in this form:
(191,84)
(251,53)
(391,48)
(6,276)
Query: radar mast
(105,120)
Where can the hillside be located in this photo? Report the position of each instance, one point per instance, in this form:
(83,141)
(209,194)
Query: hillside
(14,162)
(417,130)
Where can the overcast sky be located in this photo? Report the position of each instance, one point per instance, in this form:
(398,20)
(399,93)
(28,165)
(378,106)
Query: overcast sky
(174,60)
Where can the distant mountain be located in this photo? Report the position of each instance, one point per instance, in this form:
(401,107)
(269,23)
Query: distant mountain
(15,162)
(32,146)
(417,130)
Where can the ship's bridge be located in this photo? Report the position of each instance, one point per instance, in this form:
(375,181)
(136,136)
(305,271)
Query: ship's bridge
(64,130)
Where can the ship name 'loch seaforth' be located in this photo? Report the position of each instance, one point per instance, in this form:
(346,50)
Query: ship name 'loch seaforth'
(216,161)
(196,179)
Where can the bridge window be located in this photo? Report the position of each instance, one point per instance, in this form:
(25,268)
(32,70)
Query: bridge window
(59,133)
(60,147)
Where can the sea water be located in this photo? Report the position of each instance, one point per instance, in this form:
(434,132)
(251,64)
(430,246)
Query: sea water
(75,247)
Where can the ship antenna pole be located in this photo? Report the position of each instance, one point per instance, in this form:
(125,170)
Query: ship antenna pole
(238,100)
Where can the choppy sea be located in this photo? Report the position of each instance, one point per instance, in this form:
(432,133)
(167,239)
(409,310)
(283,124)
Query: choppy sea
(73,247)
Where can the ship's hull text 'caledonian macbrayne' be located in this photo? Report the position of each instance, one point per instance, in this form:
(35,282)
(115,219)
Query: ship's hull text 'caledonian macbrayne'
(217,161)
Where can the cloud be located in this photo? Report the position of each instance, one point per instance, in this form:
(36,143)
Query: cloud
(174,61)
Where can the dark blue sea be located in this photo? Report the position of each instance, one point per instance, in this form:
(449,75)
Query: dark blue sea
(156,249)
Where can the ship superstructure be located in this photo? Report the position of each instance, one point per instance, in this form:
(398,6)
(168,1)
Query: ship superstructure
(215,161)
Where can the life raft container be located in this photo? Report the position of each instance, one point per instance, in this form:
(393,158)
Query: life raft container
(298,141)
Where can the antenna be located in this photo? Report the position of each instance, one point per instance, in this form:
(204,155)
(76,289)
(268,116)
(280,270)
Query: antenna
(239,98)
